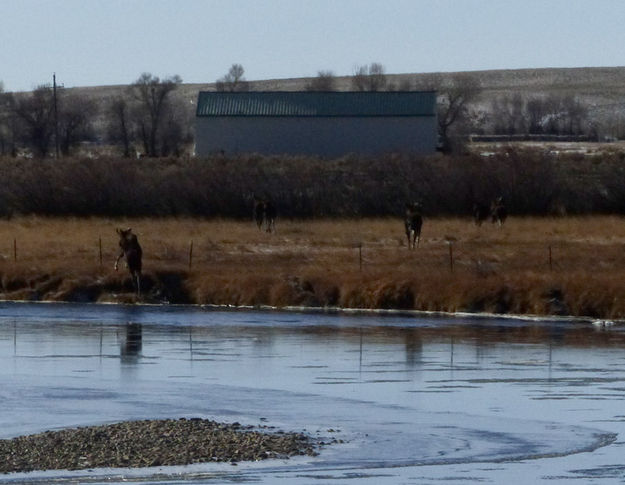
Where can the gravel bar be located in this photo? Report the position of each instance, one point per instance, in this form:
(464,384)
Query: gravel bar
(149,443)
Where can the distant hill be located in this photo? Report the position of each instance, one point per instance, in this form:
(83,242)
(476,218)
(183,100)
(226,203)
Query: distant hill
(602,89)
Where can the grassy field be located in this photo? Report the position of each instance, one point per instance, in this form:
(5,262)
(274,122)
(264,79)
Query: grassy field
(566,266)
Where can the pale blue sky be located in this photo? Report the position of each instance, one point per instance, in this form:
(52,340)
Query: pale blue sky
(100,42)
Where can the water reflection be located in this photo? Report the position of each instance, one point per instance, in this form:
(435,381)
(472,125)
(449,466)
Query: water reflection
(402,389)
(483,337)
(132,342)
(264,341)
(414,347)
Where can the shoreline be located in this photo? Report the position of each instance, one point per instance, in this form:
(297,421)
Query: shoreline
(531,268)
(384,312)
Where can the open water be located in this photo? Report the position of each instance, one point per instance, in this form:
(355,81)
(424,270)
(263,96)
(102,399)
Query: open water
(407,400)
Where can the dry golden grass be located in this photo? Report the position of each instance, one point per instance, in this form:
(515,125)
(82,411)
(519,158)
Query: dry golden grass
(318,263)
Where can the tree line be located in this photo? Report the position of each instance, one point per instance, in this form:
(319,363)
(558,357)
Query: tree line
(144,118)
(531,182)
(147,119)
(461,111)
(538,115)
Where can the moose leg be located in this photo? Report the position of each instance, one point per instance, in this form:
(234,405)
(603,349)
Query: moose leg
(136,280)
(117,260)
(411,238)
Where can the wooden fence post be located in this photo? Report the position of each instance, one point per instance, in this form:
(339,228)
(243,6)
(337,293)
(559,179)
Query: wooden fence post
(450,241)
(451,256)
(360,255)
(550,259)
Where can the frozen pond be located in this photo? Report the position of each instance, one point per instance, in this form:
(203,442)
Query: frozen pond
(410,400)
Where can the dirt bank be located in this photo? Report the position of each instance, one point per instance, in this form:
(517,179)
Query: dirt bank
(540,266)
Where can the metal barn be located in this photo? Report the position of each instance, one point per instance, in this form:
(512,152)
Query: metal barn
(326,124)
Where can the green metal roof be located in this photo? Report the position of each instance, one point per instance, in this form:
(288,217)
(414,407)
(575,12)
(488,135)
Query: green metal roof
(317,104)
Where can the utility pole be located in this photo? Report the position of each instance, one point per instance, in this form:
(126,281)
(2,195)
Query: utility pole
(56,117)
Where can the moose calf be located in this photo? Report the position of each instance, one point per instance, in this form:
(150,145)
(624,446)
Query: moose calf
(131,251)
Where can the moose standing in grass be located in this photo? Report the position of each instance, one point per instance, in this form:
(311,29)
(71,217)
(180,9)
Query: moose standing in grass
(131,251)
(498,211)
(412,223)
(265,213)
(481,212)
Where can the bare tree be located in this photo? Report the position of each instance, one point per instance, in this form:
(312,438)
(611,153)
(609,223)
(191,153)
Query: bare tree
(176,132)
(359,78)
(454,100)
(75,119)
(36,113)
(7,122)
(369,78)
(325,81)
(611,126)
(152,101)
(575,115)
(233,80)
(554,115)
(508,115)
(119,123)
(536,112)
(404,84)
(377,77)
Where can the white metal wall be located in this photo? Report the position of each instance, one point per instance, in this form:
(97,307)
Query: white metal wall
(327,137)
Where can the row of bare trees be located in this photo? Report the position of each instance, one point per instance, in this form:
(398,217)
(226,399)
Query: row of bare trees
(551,114)
(148,118)
(455,94)
(365,78)
(532,183)
(36,119)
(370,77)
(459,111)
(144,118)
(148,115)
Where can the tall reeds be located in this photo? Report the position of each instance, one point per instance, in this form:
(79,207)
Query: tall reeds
(532,182)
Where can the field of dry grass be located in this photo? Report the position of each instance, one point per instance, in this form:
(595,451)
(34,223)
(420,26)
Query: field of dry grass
(572,266)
